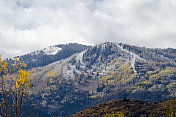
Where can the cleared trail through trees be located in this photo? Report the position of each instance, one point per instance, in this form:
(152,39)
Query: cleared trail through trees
(133,58)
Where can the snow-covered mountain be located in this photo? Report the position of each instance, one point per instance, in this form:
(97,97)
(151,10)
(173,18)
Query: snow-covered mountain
(104,72)
(67,78)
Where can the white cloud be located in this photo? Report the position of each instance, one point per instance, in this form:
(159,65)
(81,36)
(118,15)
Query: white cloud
(27,25)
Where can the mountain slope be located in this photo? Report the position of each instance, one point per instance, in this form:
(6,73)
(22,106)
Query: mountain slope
(103,72)
(49,55)
(71,77)
(152,54)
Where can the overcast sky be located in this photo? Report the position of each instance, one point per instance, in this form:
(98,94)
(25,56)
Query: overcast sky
(28,25)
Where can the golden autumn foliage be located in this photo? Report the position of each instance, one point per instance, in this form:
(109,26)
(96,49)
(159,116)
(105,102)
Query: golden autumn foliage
(3,70)
(113,77)
(119,114)
(51,74)
(170,109)
(15,83)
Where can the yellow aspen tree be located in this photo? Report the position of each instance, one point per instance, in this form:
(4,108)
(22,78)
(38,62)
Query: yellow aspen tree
(20,86)
(3,71)
(15,84)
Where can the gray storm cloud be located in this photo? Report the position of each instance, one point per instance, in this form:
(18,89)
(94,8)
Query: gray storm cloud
(28,25)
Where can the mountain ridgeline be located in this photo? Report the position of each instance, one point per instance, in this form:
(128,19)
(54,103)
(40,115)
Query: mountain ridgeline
(67,78)
(49,55)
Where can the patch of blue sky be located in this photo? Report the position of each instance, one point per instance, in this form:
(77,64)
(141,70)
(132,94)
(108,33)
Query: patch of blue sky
(23,4)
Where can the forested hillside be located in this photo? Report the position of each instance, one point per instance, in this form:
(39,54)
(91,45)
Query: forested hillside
(126,108)
(68,81)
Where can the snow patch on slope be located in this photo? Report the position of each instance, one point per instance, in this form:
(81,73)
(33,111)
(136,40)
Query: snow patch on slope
(52,50)
(133,57)
(80,57)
